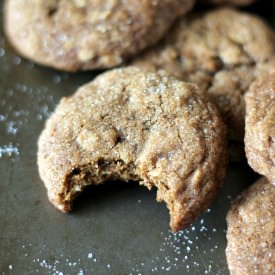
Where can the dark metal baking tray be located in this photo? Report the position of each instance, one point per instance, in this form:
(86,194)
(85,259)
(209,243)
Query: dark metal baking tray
(116,228)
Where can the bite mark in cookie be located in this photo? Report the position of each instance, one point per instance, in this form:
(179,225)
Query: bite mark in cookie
(132,125)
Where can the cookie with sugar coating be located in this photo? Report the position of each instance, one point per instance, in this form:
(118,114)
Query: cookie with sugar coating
(131,125)
(251,231)
(87,34)
(222,51)
(260,125)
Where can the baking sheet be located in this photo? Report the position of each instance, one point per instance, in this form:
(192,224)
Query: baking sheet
(116,228)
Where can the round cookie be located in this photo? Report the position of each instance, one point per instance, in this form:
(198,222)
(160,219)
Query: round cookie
(251,231)
(222,51)
(131,125)
(87,34)
(260,126)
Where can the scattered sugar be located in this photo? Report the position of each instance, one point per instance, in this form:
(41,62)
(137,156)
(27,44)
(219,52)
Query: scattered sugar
(203,229)
(90,255)
(56,79)
(11,128)
(13,117)
(2,52)
(3,117)
(191,251)
(9,150)
(16,60)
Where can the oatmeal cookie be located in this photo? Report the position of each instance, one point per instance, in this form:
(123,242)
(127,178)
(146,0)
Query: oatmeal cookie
(260,125)
(131,125)
(222,51)
(87,34)
(251,231)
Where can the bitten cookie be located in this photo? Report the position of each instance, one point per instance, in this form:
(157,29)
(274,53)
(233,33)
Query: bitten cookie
(260,126)
(131,125)
(251,231)
(87,34)
(222,51)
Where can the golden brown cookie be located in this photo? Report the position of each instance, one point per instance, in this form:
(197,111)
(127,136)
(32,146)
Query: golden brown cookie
(260,125)
(131,125)
(251,231)
(87,34)
(222,51)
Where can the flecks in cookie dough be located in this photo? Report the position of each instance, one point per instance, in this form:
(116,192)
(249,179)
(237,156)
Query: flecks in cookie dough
(132,125)
(251,231)
(222,51)
(87,34)
(260,125)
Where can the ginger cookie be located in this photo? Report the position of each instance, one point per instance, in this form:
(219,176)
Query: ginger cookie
(75,35)
(131,125)
(260,126)
(222,51)
(251,231)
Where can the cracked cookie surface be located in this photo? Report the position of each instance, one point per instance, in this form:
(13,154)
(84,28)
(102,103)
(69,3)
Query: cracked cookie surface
(260,126)
(251,231)
(77,35)
(222,51)
(132,125)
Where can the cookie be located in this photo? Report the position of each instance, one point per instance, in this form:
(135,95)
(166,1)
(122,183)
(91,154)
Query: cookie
(260,126)
(251,231)
(222,51)
(130,125)
(87,34)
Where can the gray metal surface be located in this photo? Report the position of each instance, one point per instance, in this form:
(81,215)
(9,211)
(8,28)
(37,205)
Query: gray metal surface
(116,228)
